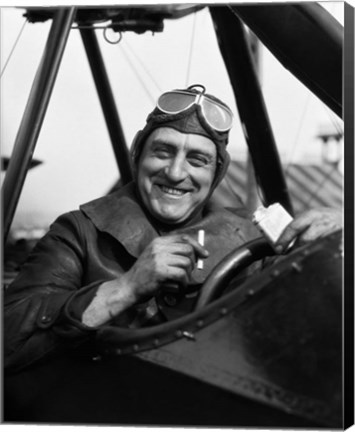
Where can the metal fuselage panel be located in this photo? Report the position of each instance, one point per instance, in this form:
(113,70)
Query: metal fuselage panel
(272,357)
(282,346)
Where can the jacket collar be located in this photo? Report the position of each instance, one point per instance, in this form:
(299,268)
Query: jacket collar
(120,215)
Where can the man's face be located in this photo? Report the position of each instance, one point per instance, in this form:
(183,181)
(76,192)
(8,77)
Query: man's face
(175,173)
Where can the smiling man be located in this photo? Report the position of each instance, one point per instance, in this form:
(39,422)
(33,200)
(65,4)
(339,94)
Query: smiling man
(175,174)
(179,157)
(129,258)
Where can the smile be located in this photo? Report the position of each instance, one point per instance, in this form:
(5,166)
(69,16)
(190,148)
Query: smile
(172,191)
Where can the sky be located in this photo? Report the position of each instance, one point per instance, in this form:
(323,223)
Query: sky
(78,162)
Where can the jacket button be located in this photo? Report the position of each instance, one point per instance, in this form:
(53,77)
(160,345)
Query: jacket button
(45,319)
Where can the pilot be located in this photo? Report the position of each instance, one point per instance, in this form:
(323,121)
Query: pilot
(129,258)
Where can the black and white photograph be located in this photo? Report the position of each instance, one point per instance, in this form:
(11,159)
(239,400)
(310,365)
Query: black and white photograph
(177,215)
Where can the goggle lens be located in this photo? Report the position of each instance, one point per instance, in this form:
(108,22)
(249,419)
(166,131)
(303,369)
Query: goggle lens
(219,117)
(174,103)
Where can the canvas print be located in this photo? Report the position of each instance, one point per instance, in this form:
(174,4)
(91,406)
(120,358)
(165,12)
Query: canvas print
(172,185)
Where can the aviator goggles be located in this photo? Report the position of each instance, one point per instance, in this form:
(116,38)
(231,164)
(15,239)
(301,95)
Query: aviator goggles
(216,115)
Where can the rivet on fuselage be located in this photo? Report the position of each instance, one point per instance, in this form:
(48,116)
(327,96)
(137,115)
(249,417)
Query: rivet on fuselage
(275,273)
(188,335)
(297,267)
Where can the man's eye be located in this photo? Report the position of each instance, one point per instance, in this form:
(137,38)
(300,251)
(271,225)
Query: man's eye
(162,153)
(197,161)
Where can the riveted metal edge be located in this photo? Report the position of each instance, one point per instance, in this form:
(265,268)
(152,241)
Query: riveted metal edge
(192,324)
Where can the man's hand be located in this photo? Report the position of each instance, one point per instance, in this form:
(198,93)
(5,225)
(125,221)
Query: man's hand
(166,260)
(169,259)
(309,226)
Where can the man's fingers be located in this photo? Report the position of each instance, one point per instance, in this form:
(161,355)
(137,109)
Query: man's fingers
(184,262)
(176,239)
(309,226)
(200,250)
(290,233)
(177,274)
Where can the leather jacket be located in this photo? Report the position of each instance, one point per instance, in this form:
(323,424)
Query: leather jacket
(82,249)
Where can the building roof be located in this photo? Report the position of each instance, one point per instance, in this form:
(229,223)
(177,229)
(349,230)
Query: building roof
(310,186)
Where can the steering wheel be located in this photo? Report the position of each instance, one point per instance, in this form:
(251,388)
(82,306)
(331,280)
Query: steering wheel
(236,261)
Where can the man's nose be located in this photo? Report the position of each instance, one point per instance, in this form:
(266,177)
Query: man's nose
(176,170)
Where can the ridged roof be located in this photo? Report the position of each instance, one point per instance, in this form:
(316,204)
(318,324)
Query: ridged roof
(310,186)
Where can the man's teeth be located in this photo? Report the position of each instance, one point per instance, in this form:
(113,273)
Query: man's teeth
(172,191)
